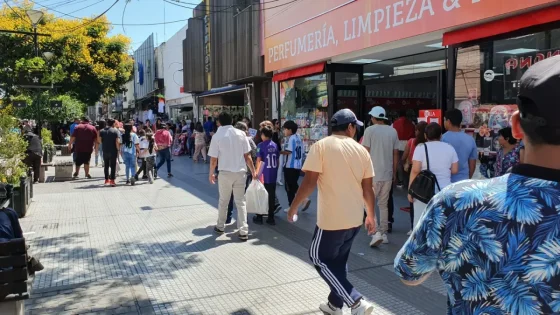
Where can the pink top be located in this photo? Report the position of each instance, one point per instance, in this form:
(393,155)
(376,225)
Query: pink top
(163,138)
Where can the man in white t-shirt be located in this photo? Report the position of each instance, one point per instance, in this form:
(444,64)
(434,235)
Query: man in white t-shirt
(230,147)
(382,142)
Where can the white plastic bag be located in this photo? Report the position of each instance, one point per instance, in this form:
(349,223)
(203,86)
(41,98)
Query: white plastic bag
(257,198)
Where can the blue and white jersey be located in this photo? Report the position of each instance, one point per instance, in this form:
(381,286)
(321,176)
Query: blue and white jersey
(295,158)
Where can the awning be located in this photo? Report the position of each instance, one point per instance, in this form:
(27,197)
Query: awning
(222,90)
(299,72)
(510,24)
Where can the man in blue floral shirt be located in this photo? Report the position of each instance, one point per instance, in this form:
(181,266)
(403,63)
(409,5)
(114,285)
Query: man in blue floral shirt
(496,242)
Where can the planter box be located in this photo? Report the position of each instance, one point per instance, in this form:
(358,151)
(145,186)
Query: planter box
(63,171)
(21,197)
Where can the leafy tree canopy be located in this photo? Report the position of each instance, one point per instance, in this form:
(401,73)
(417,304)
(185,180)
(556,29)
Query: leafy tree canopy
(87,62)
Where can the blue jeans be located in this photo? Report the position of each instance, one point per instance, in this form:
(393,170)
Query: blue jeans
(129,164)
(163,157)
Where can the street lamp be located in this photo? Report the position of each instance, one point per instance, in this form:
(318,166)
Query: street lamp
(35,16)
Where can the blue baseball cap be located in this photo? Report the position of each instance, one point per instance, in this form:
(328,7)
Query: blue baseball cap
(343,117)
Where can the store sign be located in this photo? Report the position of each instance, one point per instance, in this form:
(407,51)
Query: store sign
(309,31)
(430,115)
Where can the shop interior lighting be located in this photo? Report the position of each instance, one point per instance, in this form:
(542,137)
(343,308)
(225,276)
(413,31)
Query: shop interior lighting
(371,74)
(436,45)
(365,60)
(517,51)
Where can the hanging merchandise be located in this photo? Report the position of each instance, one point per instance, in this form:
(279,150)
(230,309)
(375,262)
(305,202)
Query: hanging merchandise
(161,105)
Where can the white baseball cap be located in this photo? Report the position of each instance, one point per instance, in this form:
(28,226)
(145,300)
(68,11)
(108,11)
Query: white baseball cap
(378,112)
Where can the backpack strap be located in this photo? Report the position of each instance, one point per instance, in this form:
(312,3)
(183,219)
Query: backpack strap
(428,163)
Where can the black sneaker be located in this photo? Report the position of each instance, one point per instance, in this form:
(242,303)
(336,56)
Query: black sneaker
(271,221)
(243,237)
(258,219)
(278,208)
(218,230)
(306,206)
(127,182)
(169,175)
(88,176)
(75,175)
(135,177)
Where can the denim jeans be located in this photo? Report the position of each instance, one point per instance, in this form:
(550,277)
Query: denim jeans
(164,156)
(129,164)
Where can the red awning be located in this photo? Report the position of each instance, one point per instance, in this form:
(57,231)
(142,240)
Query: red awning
(299,72)
(503,26)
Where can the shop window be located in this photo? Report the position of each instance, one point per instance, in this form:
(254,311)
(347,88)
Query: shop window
(305,101)
(487,81)
(346,78)
(407,84)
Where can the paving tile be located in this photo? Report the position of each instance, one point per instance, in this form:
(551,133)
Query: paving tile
(150,249)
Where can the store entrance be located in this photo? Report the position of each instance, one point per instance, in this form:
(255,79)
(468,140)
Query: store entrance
(409,84)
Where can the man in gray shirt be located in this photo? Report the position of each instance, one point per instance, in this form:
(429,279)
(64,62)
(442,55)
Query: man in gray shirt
(382,142)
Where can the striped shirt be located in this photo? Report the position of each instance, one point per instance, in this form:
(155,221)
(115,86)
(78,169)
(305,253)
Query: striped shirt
(295,158)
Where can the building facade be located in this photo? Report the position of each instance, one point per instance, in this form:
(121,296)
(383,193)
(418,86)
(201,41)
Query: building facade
(223,60)
(422,57)
(178,104)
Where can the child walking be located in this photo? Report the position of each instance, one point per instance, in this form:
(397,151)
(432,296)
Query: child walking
(149,152)
(130,148)
(142,155)
(199,142)
(293,157)
(267,153)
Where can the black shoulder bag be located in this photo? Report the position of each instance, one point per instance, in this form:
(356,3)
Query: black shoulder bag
(424,185)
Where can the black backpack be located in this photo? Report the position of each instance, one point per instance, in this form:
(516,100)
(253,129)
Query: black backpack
(424,185)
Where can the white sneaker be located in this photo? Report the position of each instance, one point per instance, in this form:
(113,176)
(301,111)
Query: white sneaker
(376,240)
(365,308)
(326,309)
(385,239)
(409,233)
(286,210)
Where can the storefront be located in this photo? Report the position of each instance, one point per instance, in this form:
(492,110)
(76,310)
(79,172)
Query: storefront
(231,99)
(486,64)
(392,55)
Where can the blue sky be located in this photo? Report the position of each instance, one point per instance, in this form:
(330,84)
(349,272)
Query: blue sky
(137,12)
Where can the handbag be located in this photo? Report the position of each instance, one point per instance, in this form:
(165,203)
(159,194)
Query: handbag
(424,185)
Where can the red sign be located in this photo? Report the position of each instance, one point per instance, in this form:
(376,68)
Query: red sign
(430,116)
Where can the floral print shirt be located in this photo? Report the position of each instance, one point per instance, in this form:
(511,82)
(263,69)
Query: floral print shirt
(495,243)
(504,162)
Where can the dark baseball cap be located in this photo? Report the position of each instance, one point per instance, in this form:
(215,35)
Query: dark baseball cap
(343,117)
(539,94)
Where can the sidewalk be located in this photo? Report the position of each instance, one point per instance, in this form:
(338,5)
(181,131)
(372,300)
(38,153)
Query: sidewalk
(150,249)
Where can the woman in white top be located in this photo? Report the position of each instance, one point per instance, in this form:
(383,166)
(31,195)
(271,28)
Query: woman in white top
(443,163)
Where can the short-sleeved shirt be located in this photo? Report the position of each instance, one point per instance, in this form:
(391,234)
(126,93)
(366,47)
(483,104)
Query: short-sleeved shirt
(109,138)
(295,158)
(86,136)
(268,152)
(381,140)
(494,242)
(229,146)
(442,156)
(465,146)
(131,148)
(342,164)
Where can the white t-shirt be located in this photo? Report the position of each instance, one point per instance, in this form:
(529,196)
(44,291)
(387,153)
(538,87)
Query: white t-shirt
(229,146)
(145,148)
(441,155)
(382,141)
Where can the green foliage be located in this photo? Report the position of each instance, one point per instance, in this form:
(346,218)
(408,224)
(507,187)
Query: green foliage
(12,151)
(46,135)
(87,62)
(71,108)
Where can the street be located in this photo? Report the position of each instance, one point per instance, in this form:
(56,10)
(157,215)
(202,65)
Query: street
(150,249)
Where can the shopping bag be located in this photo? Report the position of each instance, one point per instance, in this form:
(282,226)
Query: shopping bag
(256,198)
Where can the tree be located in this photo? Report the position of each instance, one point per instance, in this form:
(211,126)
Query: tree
(12,150)
(71,108)
(87,63)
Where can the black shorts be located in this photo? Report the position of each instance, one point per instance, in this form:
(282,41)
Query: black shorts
(82,158)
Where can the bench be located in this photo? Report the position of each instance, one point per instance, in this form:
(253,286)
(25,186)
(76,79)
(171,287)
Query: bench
(13,277)
(44,168)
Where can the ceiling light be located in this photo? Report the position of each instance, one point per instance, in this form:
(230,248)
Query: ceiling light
(517,51)
(365,60)
(435,45)
(388,62)
(371,74)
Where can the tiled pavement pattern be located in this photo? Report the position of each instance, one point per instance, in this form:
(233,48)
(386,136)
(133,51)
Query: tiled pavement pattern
(150,249)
